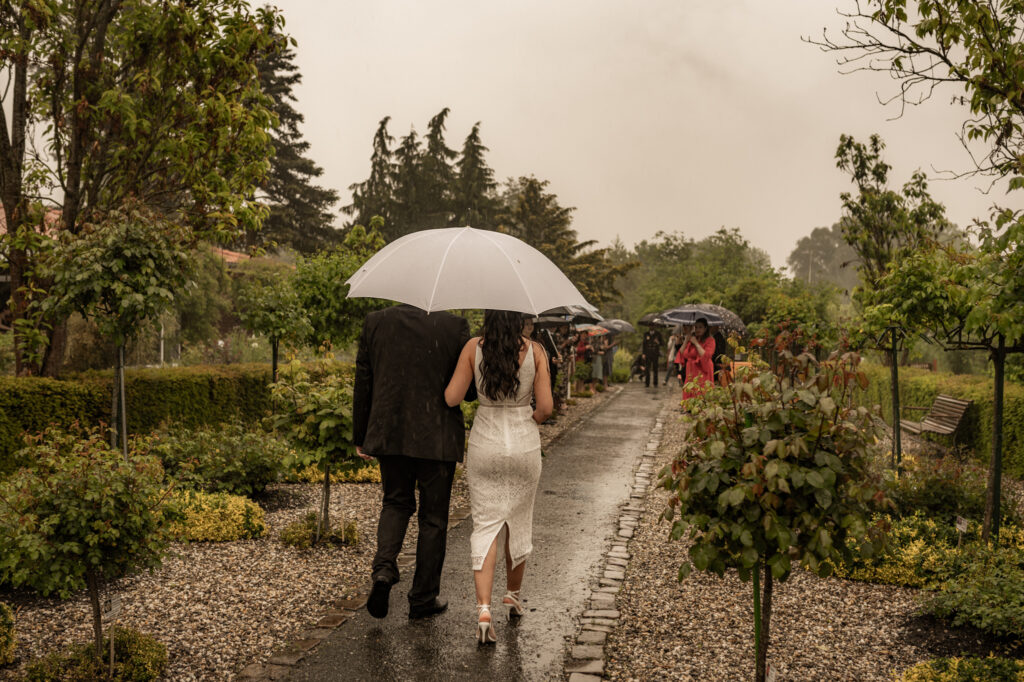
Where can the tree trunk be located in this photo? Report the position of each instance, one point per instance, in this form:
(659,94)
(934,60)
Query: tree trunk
(273,360)
(124,404)
(894,371)
(995,469)
(324,527)
(758,671)
(53,358)
(115,399)
(93,587)
(766,617)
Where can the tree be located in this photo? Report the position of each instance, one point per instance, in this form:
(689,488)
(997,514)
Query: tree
(120,273)
(967,299)
(300,211)
(475,200)
(437,175)
(317,416)
(825,256)
(407,189)
(80,516)
(879,223)
(155,102)
(268,304)
(319,282)
(776,469)
(375,196)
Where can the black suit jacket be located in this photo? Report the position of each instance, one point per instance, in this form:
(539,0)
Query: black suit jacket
(406,359)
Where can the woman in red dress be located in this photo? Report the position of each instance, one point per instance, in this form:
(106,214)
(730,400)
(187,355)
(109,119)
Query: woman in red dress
(696,355)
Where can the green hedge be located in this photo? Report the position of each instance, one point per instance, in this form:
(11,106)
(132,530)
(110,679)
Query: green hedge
(188,396)
(918,387)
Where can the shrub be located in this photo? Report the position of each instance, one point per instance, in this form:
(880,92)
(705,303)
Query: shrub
(583,371)
(919,387)
(81,515)
(7,635)
(231,458)
(302,534)
(350,472)
(970,669)
(987,593)
(218,517)
(944,488)
(621,366)
(583,394)
(469,413)
(186,396)
(599,387)
(137,658)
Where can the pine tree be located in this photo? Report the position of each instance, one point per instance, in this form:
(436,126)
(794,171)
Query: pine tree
(407,182)
(300,211)
(438,176)
(374,197)
(475,201)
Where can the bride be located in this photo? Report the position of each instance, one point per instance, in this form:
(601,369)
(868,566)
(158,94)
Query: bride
(503,459)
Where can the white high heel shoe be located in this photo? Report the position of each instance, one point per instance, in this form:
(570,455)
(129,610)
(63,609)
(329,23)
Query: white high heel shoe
(484,628)
(514,604)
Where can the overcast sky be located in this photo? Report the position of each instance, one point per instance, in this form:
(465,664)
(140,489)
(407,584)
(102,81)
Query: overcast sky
(674,115)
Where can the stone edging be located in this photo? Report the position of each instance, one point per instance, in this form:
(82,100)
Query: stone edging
(586,660)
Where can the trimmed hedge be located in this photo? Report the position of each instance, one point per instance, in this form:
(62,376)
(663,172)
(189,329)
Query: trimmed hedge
(218,517)
(918,387)
(186,396)
(137,658)
(970,669)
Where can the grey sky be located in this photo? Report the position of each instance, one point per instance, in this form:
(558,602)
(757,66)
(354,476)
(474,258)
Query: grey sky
(647,115)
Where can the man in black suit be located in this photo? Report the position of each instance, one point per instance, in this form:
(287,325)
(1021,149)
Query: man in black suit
(406,358)
(651,350)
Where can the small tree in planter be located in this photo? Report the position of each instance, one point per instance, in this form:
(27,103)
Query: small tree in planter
(318,417)
(776,471)
(80,516)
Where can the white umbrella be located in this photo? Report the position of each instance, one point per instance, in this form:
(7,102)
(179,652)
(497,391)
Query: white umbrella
(462,267)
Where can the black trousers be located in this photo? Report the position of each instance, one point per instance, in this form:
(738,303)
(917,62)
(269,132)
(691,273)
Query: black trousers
(651,368)
(400,477)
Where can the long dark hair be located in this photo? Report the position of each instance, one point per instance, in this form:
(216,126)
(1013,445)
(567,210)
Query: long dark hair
(502,340)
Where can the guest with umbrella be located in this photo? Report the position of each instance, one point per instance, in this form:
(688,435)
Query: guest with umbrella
(696,354)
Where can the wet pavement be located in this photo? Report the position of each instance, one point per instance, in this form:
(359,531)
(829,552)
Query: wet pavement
(586,477)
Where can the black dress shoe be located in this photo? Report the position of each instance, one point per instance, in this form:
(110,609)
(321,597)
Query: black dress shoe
(432,609)
(377,604)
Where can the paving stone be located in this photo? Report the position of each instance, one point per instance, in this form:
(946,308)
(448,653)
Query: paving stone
(626,532)
(287,657)
(615,575)
(593,627)
(617,561)
(592,667)
(610,622)
(253,671)
(331,621)
(609,613)
(587,651)
(278,672)
(584,677)
(610,583)
(607,590)
(316,633)
(592,637)
(602,603)
(305,644)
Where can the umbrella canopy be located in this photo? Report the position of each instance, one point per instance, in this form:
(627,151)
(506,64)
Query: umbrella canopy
(461,267)
(617,326)
(551,321)
(686,315)
(576,313)
(731,322)
(592,329)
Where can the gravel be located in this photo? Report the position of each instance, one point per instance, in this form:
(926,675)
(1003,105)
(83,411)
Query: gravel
(220,606)
(822,629)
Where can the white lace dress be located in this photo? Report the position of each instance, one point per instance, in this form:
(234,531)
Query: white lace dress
(503,467)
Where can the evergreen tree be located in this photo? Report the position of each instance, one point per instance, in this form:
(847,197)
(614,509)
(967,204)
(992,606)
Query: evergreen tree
(475,200)
(407,182)
(300,211)
(438,175)
(374,197)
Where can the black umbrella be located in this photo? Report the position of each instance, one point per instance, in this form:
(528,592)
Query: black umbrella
(617,326)
(574,313)
(688,315)
(652,320)
(731,322)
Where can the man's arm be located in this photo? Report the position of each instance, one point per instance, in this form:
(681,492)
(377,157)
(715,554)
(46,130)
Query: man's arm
(362,392)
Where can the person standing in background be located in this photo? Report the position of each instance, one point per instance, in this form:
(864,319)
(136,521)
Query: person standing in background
(698,347)
(651,351)
(611,347)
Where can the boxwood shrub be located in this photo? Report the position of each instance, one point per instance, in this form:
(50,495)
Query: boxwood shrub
(918,387)
(137,658)
(7,638)
(186,396)
(218,517)
(969,669)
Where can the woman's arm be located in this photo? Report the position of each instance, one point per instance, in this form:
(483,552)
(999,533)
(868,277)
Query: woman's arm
(541,386)
(463,375)
(699,347)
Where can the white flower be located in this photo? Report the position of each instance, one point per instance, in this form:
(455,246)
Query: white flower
(220,343)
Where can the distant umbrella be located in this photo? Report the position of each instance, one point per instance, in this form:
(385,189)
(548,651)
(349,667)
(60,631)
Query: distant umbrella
(731,322)
(688,315)
(592,329)
(617,326)
(654,320)
(575,313)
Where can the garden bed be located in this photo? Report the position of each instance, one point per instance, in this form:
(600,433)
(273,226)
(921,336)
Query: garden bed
(702,628)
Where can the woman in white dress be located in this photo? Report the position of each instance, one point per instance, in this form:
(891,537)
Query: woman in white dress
(503,458)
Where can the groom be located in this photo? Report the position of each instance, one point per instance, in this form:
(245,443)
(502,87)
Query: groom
(406,358)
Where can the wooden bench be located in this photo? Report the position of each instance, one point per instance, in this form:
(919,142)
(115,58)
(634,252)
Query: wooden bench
(943,417)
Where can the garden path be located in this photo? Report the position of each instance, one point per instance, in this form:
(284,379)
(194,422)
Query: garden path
(587,475)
